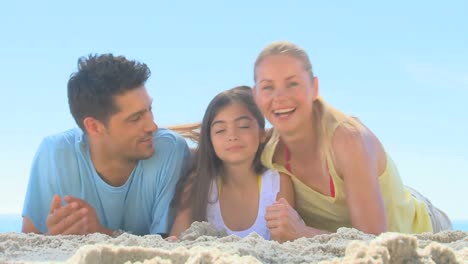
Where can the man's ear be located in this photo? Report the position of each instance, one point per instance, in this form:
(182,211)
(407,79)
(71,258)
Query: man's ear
(93,126)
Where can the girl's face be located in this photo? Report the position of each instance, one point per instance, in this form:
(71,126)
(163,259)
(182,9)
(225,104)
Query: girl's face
(235,135)
(285,92)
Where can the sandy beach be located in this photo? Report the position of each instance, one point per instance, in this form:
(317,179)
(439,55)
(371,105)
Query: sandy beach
(203,244)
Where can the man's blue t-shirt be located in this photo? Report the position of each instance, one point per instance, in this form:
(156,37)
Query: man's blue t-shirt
(142,205)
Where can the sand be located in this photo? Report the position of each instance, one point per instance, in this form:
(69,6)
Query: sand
(202,244)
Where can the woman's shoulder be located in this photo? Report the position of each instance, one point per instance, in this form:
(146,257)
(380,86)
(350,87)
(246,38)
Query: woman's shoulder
(353,143)
(353,135)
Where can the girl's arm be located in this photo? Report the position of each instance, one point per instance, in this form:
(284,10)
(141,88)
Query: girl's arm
(182,221)
(183,218)
(359,160)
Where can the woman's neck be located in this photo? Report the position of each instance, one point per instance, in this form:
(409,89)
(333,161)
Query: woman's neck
(302,144)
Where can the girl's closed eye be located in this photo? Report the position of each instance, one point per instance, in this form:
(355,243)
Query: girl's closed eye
(219,131)
(244,123)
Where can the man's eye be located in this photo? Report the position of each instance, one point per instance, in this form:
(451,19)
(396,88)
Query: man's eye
(268,87)
(292,84)
(137,118)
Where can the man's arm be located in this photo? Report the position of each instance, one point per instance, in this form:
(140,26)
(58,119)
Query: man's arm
(28,226)
(43,211)
(41,188)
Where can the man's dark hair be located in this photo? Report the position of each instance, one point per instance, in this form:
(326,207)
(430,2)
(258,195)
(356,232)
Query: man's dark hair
(99,78)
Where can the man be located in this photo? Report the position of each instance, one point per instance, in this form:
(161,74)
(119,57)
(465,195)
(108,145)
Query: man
(116,173)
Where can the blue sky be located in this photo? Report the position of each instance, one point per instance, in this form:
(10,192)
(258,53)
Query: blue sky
(400,66)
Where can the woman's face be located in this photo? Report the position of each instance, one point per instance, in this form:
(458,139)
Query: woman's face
(284,92)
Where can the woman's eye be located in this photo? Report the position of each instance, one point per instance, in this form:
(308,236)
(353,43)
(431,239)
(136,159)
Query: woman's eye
(292,84)
(219,131)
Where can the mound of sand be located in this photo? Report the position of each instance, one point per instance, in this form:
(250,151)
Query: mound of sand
(202,244)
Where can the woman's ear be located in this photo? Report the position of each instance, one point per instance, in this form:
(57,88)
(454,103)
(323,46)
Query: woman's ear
(315,87)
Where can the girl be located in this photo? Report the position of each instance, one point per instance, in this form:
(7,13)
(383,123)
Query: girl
(228,186)
(342,175)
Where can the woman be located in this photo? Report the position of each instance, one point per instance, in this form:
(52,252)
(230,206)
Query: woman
(341,173)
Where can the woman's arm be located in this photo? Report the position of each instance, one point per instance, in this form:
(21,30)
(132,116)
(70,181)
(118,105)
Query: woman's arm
(359,160)
(282,219)
(286,189)
(285,224)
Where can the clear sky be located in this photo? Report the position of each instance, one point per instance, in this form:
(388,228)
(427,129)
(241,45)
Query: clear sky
(400,66)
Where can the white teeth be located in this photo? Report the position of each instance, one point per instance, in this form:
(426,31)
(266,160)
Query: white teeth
(283,111)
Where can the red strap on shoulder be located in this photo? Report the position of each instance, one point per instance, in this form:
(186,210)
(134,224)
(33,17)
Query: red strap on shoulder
(332,184)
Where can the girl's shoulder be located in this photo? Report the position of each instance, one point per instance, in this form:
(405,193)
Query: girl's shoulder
(270,173)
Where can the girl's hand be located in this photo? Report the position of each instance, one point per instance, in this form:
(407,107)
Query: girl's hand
(171,238)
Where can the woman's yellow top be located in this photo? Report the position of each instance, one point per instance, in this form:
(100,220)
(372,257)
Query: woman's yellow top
(405,213)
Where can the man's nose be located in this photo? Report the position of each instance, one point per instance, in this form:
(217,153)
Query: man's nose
(151,126)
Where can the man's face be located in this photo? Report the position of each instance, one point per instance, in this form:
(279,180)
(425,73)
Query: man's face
(129,133)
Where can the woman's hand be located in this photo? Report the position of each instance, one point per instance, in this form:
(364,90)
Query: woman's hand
(284,222)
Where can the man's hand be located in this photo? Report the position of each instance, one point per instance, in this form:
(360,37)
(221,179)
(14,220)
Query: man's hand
(64,220)
(90,219)
(284,222)
(77,217)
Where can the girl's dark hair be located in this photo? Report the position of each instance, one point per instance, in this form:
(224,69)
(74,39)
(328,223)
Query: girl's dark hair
(206,165)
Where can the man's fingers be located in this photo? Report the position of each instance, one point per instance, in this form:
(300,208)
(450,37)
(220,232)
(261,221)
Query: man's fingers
(64,217)
(73,223)
(55,204)
(78,227)
(70,199)
(55,207)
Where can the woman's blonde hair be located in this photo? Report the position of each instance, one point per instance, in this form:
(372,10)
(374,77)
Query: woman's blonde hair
(326,117)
